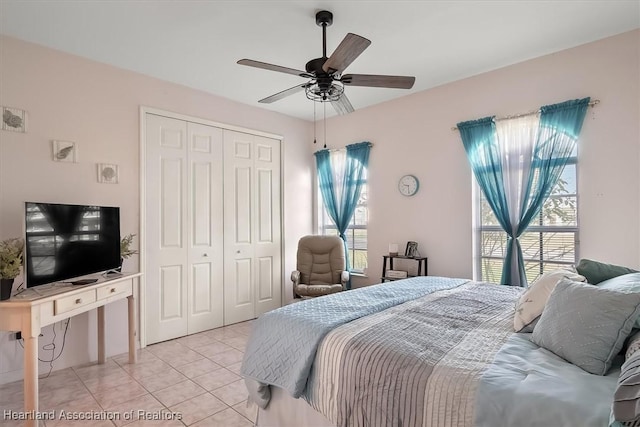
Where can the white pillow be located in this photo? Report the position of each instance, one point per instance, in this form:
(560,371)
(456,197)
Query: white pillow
(531,303)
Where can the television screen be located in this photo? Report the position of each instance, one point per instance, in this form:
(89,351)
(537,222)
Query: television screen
(68,241)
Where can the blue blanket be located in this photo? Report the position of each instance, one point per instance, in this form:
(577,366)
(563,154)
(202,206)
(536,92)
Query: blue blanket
(528,386)
(283,342)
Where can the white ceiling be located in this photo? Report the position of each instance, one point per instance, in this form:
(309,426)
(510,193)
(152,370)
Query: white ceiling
(197,43)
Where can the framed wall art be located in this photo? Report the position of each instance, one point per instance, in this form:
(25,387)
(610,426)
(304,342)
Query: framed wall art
(64,151)
(14,119)
(107,173)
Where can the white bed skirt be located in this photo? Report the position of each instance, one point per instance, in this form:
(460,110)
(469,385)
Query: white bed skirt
(285,411)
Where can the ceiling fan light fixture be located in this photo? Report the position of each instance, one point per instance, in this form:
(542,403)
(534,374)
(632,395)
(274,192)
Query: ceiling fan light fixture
(323,93)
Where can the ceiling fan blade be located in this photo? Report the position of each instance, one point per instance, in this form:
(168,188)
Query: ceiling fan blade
(342,105)
(272,67)
(372,80)
(283,94)
(347,51)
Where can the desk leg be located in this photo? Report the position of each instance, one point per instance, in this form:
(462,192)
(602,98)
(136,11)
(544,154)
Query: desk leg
(101,338)
(30,375)
(132,329)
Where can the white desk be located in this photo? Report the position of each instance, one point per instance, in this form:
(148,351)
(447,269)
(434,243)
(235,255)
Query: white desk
(44,305)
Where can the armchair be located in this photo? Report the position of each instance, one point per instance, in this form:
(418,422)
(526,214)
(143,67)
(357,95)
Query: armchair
(320,268)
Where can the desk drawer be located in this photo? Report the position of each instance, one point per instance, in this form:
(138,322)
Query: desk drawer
(111,290)
(72,302)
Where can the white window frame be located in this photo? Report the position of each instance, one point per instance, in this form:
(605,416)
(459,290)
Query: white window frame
(479,228)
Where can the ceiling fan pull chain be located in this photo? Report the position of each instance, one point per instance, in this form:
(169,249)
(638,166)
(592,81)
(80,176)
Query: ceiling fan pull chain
(314,123)
(324,106)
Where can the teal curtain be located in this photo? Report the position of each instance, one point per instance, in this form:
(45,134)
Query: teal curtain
(479,140)
(558,130)
(560,126)
(340,196)
(485,157)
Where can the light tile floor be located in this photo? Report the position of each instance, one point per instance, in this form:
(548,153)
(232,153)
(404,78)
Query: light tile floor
(197,376)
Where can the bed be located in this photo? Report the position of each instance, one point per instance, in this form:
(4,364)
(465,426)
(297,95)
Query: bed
(424,351)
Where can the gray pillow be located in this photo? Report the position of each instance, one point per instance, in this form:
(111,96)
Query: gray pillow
(629,283)
(586,325)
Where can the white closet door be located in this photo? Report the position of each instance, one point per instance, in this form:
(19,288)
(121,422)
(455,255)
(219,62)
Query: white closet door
(252,230)
(205,265)
(267,248)
(166,272)
(239,210)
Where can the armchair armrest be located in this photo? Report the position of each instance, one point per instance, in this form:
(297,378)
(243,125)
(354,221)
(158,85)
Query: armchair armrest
(344,278)
(295,277)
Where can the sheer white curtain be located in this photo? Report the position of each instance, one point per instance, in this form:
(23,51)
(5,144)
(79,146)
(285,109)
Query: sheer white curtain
(338,165)
(516,138)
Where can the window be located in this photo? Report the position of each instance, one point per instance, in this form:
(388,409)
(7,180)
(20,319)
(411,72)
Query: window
(356,234)
(550,241)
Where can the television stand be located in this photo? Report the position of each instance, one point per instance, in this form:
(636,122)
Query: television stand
(29,311)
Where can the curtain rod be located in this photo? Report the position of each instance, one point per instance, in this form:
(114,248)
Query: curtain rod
(530,113)
(343,148)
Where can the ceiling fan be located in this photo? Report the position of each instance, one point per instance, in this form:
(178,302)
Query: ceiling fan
(327,82)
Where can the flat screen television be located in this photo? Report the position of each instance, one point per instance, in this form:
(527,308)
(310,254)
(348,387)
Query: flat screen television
(68,241)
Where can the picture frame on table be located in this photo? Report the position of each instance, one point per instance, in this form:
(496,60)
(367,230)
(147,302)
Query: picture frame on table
(412,249)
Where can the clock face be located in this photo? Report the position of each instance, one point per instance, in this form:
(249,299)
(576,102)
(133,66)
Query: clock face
(408,185)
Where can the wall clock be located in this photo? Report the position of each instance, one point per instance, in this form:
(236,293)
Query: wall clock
(408,185)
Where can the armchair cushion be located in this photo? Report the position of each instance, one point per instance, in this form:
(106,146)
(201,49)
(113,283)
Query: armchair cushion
(317,290)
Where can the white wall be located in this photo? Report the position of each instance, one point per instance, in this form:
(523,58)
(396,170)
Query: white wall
(413,135)
(97,106)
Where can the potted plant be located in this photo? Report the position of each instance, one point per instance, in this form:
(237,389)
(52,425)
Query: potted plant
(11,251)
(125,248)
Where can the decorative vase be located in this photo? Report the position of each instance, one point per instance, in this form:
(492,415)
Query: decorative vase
(5,288)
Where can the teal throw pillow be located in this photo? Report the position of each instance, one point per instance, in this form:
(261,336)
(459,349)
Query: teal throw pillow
(597,272)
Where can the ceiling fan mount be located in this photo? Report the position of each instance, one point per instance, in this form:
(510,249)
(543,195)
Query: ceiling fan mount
(326,82)
(324,18)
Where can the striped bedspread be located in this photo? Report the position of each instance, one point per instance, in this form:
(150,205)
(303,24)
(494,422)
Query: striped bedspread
(283,342)
(416,364)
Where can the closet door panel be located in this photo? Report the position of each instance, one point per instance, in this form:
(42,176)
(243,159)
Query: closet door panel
(171,286)
(171,195)
(166,275)
(239,213)
(201,297)
(205,252)
(266,287)
(265,206)
(268,225)
(242,205)
(242,290)
(201,213)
